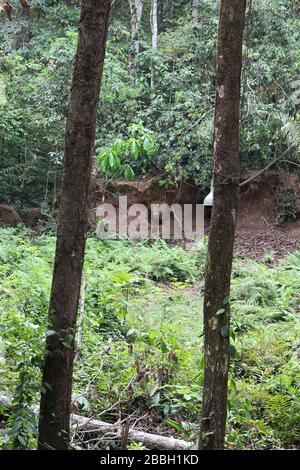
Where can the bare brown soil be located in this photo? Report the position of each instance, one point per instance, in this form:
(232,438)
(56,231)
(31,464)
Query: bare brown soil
(273,244)
(258,233)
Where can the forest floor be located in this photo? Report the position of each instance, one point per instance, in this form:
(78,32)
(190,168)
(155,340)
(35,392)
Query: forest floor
(141,353)
(271,244)
(267,226)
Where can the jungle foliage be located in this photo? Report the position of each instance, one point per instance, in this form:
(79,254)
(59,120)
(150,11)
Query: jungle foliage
(36,57)
(142,339)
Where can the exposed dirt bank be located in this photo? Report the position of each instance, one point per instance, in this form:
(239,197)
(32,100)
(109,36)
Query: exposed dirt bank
(258,231)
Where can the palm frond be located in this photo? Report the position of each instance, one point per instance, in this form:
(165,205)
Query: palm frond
(291,132)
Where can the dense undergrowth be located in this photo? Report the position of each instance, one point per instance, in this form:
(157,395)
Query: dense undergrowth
(36,58)
(141,349)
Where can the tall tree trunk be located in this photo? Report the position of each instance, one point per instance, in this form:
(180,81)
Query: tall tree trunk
(72,226)
(154,31)
(153,22)
(165,13)
(222,231)
(196,11)
(136,10)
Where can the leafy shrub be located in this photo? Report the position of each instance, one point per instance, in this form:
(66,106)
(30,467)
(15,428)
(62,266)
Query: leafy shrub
(286,205)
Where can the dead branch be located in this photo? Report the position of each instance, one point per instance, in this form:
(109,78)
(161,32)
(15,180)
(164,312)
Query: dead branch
(81,319)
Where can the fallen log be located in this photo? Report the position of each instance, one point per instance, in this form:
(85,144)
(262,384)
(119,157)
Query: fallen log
(152,441)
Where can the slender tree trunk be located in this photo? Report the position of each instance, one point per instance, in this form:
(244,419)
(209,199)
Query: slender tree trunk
(196,11)
(222,231)
(167,9)
(154,31)
(136,10)
(72,226)
(153,22)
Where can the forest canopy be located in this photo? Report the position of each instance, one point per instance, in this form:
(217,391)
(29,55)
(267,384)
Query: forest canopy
(36,58)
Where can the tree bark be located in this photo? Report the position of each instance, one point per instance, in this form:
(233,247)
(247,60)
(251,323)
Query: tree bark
(154,31)
(153,22)
(222,231)
(136,10)
(55,404)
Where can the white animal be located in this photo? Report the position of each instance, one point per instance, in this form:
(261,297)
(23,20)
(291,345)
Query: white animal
(208,201)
